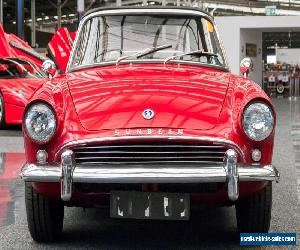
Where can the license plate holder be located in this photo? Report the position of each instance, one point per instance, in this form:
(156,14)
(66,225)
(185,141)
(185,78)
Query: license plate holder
(149,205)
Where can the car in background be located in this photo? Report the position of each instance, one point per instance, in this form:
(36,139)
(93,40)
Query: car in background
(60,47)
(12,46)
(20,76)
(19,79)
(148,120)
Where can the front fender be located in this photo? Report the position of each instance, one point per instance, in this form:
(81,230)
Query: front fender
(54,92)
(240,93)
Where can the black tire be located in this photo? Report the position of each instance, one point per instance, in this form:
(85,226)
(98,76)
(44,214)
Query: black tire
(280,88)
(2,112)
(253,214)
(44,217)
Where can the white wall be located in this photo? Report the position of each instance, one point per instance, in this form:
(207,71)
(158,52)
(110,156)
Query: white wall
(253,36)
(230,35)
(230,29)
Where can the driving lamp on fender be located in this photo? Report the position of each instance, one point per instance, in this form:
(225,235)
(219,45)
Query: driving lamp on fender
(258,121)
(256,155)
(41,156)
(40,122)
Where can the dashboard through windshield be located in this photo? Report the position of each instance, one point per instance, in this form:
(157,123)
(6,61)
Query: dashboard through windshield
(13,68)
(105,39)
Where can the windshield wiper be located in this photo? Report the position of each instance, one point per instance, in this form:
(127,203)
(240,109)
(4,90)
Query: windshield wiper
(193,53)
(144,52)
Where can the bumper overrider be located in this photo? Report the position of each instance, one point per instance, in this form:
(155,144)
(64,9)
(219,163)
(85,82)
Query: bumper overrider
(68,172)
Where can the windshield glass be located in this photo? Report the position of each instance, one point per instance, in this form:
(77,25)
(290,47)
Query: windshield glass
(106,38)
(15,68)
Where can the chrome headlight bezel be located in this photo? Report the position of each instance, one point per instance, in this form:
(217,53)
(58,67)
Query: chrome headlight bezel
(264,114)
(48,121)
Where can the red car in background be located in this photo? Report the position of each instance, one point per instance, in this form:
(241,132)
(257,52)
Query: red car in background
(60,46)
(19,79)
(12,46)
(148,119)
(20,76)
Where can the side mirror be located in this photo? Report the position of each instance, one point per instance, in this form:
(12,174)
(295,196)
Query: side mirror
(246,66)
(48,67)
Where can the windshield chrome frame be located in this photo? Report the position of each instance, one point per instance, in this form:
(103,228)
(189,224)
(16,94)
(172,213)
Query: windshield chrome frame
(141,11)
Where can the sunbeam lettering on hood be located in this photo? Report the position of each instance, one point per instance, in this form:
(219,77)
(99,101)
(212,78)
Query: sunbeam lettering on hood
(110,98)
(149,131)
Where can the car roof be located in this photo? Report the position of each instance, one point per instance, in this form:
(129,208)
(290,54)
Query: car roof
(147,8)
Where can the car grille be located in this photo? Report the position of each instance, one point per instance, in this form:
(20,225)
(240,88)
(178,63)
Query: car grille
(159,152)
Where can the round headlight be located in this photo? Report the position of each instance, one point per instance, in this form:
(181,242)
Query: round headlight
(258,121)
(40,122)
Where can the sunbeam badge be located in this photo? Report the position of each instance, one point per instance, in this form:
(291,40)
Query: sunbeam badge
(148,114)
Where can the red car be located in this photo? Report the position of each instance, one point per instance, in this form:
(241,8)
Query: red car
(148,120)
(60,46)
(20,76)
(19,79)
(12,46)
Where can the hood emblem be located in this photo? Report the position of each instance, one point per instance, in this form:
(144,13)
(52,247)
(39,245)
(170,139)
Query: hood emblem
(148,114)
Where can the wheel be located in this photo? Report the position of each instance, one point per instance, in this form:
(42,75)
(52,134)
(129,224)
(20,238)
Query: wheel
(2,116)
(280,88)
(44,217)
(253,214)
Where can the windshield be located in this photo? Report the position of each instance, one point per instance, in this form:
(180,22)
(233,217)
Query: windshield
(15,68)
(107,38)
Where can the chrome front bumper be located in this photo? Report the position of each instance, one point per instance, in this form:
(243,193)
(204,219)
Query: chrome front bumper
(68,172)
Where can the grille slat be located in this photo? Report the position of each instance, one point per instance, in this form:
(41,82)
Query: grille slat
(146,157)
(147,146)
(150,152)
(150,162)
(139,152)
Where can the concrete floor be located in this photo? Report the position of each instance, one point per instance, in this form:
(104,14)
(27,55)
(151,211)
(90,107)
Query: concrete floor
(209,229)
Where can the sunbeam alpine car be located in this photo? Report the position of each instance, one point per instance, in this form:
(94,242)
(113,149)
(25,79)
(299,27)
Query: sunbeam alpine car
(148,120)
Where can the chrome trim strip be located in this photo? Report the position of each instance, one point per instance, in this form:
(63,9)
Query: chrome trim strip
(222,45)
(68,172)
(257,173)
(178,9)
(122,138)
(140,11)
(150,61)
(147,146)
(90,173)
(53,173)
(230,165)
(67,167)
(148,157)
(198,163)
(150,175)
(152,152)
(41,173)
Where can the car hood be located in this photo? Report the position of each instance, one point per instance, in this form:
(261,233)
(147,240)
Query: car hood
(186,97)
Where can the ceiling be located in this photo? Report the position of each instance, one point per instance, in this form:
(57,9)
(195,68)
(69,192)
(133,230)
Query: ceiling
(46,9)
(282,39)
(47,15)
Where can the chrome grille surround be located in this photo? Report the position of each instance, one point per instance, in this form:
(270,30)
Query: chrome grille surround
(134,139)
(162,152)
